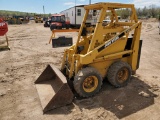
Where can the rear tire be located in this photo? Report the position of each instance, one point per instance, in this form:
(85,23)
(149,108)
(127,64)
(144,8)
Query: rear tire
(119,74)
(87,82)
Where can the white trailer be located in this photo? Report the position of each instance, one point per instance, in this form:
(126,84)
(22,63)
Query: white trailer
(75,15)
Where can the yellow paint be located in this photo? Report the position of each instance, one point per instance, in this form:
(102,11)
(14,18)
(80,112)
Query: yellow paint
(90,84)
(103,44)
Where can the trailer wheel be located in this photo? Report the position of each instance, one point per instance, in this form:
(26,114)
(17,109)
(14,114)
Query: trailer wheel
(119,74)
(87,82)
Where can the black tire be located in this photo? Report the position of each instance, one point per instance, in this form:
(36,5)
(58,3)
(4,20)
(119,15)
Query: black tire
(119,74)
(45,25)
(59,27)
(79,82)
(67,26)
(52,27)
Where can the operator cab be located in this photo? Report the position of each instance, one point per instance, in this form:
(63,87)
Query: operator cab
(58,18)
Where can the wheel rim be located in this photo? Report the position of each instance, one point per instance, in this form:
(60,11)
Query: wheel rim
(90,84)
(123,75)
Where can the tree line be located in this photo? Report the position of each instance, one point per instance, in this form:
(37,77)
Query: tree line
(146,12)
(5,13)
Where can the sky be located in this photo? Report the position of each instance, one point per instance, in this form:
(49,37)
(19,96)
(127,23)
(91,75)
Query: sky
(56,6)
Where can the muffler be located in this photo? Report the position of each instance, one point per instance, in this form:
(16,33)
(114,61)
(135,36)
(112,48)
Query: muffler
(53,89)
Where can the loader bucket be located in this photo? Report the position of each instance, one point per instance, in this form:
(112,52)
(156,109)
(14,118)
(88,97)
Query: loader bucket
(53,89)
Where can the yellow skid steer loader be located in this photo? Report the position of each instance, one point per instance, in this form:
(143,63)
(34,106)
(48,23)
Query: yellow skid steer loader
(109,51)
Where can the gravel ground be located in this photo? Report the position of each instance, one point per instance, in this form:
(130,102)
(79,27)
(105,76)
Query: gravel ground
(29,55)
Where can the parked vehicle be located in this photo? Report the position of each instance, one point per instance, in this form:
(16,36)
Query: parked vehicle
(59,21)
(38,18)
(47,23)
(108,52)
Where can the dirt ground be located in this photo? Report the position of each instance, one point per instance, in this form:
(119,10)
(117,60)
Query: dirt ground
(29,55)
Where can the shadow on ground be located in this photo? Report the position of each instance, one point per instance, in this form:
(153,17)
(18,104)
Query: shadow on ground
(5,48)
(120,101)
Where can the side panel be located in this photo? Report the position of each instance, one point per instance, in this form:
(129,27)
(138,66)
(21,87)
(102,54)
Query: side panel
(118,46)
(102,66)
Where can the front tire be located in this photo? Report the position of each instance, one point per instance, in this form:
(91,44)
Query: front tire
(87,82)
(52,27)
(67,26)
(119,74)
(59,27)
